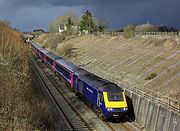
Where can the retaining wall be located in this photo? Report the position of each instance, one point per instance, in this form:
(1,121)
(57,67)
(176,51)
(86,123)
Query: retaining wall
(153,116)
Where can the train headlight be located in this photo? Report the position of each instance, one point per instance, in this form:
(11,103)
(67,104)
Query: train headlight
(110,109)
(125,109)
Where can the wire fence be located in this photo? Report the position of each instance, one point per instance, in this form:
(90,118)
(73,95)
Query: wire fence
(129,86)
(115,33)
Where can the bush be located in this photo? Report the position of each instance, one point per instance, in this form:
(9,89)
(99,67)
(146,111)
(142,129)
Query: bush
(146,28)
(4,24)
(129,31)
(54,40)
(151,76)
(21,108)
(66,50)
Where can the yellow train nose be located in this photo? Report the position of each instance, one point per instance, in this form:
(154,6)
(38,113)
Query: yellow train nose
(114,104)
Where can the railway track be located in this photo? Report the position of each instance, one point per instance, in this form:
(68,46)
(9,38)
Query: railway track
(72,120)
(75,115)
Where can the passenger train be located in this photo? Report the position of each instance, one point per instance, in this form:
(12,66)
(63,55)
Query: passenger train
(103,95)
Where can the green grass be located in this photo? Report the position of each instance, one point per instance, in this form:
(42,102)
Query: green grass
(150,77)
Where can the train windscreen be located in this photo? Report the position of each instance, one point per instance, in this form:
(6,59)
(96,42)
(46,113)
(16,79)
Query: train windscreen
(115,96)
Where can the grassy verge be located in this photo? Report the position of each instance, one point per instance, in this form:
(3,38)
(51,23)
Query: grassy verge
(21,106)
(56,43)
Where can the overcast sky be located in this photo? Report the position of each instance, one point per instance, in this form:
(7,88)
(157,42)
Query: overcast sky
(27,15)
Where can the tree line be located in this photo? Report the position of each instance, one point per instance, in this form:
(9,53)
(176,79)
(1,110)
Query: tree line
(131,30)
(87,22)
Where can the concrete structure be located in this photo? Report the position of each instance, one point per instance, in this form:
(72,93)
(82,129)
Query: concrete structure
(153,116)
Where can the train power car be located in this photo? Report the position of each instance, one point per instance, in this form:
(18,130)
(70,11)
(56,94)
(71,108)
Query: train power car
(108,98)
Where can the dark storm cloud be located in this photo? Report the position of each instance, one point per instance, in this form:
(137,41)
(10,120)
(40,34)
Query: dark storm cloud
(159,12)
(50,3)
(30,14)
(41,3)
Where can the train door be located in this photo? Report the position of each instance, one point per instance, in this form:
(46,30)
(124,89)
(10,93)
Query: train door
(72,79)
(39,55)
(54,64)
(44,57)
(99,99)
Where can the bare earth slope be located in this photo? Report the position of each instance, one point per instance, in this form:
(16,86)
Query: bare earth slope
(132,60)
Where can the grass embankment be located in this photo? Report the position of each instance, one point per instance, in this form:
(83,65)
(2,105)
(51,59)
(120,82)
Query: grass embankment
(53,42)
(21,106)
(150,62)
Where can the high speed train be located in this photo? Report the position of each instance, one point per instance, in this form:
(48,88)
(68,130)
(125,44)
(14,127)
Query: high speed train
(106,97)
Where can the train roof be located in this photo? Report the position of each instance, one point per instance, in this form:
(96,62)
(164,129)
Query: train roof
(100,83)
(34,44)
(111,87)
(37,46)
(53,56)
(40,48)
(67,64)
(44,51)
(80,71)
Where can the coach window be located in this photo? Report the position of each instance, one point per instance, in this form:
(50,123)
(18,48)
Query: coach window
(58,68)
(42,55)
(63,71)
(49,61)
